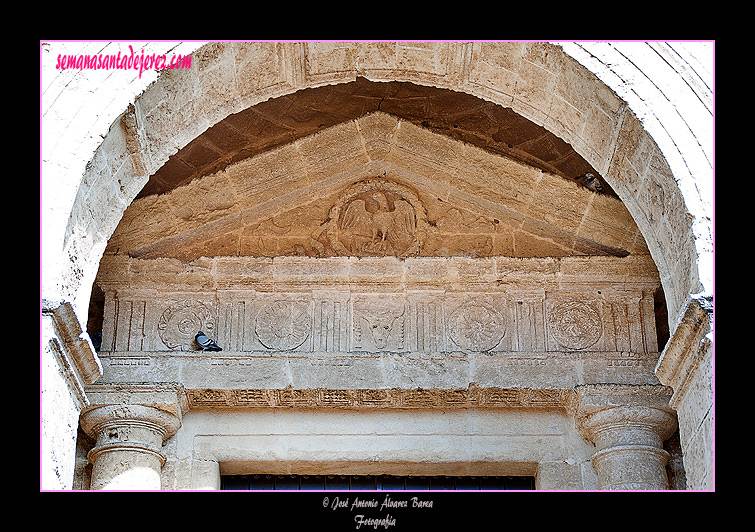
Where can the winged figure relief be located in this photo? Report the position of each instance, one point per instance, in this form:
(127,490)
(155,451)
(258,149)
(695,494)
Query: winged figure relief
(378,223)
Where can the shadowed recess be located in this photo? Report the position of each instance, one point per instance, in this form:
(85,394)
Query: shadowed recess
(282,120)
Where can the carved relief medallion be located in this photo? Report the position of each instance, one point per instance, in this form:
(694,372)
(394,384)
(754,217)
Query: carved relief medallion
(476,326)
(181,321)
(378,324)
(576,325)
(377,217)
(283,325)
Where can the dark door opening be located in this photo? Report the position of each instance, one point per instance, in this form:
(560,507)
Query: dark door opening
(374,482)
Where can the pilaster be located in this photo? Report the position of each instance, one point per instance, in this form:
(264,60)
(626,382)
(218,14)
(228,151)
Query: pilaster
(68,364)
(628,425)
(686,365)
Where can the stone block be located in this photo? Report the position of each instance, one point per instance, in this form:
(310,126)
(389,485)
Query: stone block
(259,66)
(267,176)
(332,151)
(564,209)
(377,131)
(330,61)
(411,151)
(495,70)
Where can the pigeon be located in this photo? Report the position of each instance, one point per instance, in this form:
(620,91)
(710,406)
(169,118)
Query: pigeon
(206,343)
(593,183)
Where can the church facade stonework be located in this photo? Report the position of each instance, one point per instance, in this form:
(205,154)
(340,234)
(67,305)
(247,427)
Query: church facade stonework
(374,326)
(407,272)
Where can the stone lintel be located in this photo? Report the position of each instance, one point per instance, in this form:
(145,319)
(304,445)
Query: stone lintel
(228,273)
(392,370)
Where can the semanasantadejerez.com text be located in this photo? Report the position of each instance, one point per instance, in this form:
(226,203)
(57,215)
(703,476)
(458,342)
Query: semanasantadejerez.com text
(126,61)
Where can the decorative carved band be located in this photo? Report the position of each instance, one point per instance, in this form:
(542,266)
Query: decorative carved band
(376,322)
(379,398)
(377,304)
(385,322)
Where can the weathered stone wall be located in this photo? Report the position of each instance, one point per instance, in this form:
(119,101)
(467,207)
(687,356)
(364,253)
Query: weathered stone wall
(664,176)
(535,79)
(467,365)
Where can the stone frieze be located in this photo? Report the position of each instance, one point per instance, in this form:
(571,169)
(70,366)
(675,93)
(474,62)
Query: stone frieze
(416,321)
(380,322)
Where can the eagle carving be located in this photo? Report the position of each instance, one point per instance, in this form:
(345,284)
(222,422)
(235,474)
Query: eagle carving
(377,218)
(371,225)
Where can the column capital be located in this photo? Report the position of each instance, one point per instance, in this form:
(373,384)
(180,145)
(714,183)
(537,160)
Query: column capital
(628,425)
(159,407)
(97,419)
(597,405)
(169,397)
(130,425)
(618,424)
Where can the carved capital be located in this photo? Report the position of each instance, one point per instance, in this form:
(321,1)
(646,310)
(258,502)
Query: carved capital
(130,429)
(620,425)
(128,455)
(628,425)
(107,423)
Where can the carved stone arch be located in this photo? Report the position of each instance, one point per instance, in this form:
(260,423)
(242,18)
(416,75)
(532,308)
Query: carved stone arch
(231,77)
(536,80)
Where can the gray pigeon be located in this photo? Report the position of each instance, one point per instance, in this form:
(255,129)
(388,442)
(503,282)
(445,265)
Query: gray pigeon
(206,343)
(593,183)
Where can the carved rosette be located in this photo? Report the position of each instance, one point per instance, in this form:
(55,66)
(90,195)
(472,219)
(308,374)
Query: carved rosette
(283,325)
(180,322)
(476,326)
(576,325)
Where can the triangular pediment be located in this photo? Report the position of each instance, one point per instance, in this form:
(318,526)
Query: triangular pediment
(377,186)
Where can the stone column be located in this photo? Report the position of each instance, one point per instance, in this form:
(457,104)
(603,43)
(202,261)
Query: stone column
(129,438)
(628,425)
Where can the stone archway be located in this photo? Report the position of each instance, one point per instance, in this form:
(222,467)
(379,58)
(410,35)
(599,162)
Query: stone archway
(537,80)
